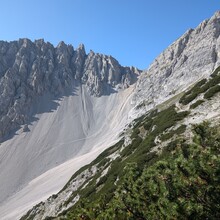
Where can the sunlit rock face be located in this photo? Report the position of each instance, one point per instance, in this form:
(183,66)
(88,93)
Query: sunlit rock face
(191,57)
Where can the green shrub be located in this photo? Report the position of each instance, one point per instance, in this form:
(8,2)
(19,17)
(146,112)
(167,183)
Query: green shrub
(213,81)
(181,129)
(148,124)
(198,85)
(135,133)
(192,93)
(48,218)
(216,72)
(170,147)
(167,136)
(171,133)
(196,104)
(187,99)
(212,91)
(201,87)
(102,180)
(180,115)
(182,185)
(103,162)
(164,119)
(130,148)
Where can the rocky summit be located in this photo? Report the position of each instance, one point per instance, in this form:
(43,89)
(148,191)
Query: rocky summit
(31,69)
(72,122)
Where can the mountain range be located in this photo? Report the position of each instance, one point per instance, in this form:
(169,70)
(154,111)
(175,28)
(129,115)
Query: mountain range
(71,121)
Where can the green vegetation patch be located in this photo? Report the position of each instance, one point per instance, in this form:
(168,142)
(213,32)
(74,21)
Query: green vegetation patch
(171,133)
(212,91)
(193,93)
(201,87)
(156,123)
(181,185)
(196,104)
(216,72)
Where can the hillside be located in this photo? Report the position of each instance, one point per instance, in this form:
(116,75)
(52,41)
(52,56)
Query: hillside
(166,164)
(71,122)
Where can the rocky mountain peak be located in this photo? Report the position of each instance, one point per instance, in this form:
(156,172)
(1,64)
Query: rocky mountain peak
(30,69)
(81,47)
(215,16)
(191,57)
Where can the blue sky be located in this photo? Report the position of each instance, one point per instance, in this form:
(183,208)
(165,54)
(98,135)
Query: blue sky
(132,31)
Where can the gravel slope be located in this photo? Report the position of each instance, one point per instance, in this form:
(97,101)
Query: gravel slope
(35,161)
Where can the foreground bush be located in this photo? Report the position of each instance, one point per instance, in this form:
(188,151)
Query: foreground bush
(184,184)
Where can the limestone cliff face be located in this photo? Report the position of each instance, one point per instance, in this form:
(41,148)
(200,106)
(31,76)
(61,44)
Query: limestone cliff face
(191,57)
(30,69)
(101,72)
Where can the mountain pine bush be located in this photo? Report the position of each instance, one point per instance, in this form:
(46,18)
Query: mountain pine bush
(184,184)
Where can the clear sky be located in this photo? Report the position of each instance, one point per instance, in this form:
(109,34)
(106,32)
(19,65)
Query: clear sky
(132,31)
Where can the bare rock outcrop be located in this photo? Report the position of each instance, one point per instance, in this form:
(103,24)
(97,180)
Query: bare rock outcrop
(191,57)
